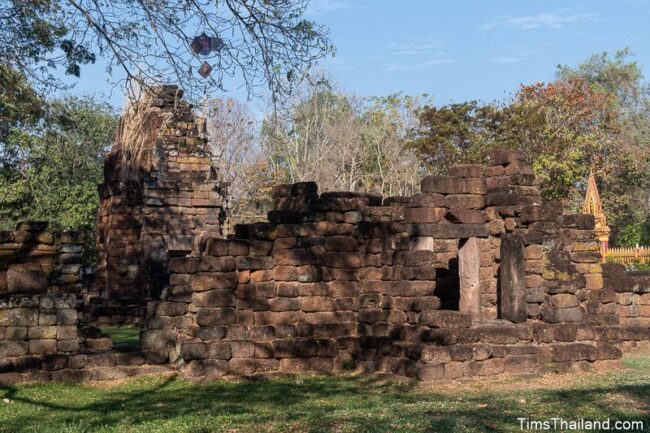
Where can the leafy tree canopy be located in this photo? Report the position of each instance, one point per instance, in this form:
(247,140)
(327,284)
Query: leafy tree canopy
(343,142)
(615,74)
(50,170)
(19,103)
(592,117)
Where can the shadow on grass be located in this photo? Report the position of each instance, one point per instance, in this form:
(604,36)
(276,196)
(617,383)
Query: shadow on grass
(320,404)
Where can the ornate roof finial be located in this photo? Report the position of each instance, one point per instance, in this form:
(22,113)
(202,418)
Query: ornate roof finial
(592,205)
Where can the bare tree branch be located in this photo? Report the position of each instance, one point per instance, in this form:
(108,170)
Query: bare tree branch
(265,43)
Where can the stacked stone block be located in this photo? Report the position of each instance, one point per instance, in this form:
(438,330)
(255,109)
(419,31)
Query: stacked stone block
(626,294)
(34,260)
(303,287)
(457,201)
(561,258)
(342,279)
(41,339)
(40,275)
(491,349)
(33,326)
(75,366)
(407,285)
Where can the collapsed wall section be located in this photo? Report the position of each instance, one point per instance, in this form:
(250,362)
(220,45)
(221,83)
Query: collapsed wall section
(475,275)
(36,325)
(294,294)
(561,266)
(40,282)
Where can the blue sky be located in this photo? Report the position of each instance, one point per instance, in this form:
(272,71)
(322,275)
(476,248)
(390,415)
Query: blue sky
(461,49)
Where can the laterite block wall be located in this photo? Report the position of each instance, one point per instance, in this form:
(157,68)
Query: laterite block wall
(474,275)
(34,260)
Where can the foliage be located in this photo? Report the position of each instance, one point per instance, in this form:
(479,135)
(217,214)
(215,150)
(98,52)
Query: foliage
(342,142)
(453,134)
(632,235)
(617,75)
(575,127)
(36,37)
(629,235)
(645,232)
(326,404)
(238,158)
(50,171)
(637,266)
(314,138)
(390,166)
(594,117)
(20,106)
(262,41)
(624,165)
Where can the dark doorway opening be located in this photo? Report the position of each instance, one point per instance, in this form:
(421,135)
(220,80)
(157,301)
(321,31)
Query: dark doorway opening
(448,286)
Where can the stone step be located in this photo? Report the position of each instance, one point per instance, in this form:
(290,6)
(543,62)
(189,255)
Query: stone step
(69,375)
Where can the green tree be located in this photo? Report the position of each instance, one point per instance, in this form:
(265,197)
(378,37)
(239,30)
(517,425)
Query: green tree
(314,136)
(390,166)
(567,126)
(617,74)
(344,143)
(592,117)
(629,235)
(455,133)
(20,105)
(624,165)
(50,171)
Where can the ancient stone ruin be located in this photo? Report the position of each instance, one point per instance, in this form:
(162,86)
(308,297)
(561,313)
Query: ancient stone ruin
(475,275)
(160,193)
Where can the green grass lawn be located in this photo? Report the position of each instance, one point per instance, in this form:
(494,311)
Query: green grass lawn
(123,334)
(326,404)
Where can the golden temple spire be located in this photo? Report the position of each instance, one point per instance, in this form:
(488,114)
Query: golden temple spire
(592,205)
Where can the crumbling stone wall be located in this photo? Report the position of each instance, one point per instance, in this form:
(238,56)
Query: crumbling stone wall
(35,260)
(341,279)
(561,262)
(474,275)
(36,325)
(160,194)
(40,280)
(627,293)
(41,339)
(41,291)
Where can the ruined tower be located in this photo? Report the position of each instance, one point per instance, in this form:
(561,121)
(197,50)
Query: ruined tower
(160,194)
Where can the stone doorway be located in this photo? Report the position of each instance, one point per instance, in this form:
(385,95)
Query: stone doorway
(457,283)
